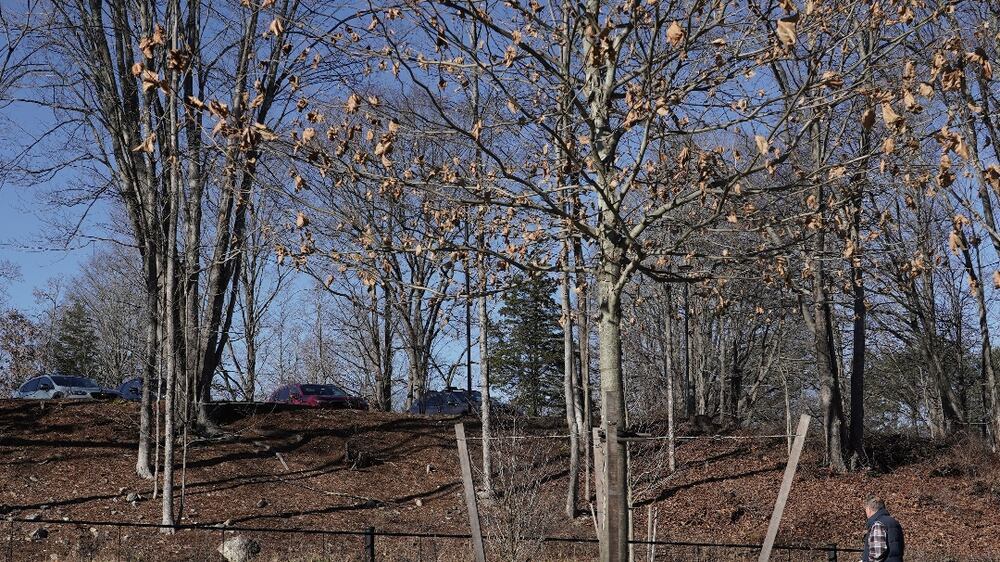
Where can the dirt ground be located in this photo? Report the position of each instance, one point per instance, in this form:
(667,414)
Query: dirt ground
(343,470)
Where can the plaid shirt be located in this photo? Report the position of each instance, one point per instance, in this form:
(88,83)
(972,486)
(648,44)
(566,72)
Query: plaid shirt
(878,546)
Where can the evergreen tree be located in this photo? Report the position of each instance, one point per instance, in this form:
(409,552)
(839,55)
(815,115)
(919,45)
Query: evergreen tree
(527,349)
(73,348)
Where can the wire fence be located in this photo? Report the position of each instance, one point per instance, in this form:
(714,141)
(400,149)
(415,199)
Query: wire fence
(64,539)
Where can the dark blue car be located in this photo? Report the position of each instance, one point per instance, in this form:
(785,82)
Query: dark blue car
(450,401)
(131,389)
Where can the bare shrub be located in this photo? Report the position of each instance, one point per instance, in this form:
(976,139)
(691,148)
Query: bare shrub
(521,510)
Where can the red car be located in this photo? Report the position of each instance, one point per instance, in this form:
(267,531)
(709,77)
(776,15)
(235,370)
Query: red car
(317,396)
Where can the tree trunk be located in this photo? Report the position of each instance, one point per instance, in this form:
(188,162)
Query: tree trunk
(569,386)
(486,410)
(193,129)
(383,387)
(985,349)
(688,387)
(668,371)
(613,406)
(831,403)
(172,310)
(250,331)
(698,350)
(859,324)
(583,319)
(721,369)
(143,466)
(945,403)
(857,440)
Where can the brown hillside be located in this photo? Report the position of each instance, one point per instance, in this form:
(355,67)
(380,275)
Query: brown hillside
(351,470)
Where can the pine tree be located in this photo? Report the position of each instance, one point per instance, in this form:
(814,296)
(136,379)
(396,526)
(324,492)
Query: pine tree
(527,349)
(73,349)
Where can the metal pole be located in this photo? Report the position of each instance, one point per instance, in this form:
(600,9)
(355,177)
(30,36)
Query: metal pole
(370,545)
(468,320)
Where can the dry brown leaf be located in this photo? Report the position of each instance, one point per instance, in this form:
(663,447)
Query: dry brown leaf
(146,145)
(992,175)
(353,102)
(849,249)
(786,30)
(159,35)
(276,27)
(952,80)
(218,109)
(961,147)
(979,57)
(675,34)
(509,55)
(151,80)
(889,115)
(301,220)
(868,119)
(264,132)
(832,79)
(146,46)
(955,242)
(762,144)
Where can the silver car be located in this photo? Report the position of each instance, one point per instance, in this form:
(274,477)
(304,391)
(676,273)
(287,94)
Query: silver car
(50,387)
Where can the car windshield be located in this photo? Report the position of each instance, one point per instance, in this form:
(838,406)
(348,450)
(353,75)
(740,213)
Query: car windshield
(74,381)
(322,390)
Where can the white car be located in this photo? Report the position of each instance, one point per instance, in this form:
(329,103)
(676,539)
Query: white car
(50,387)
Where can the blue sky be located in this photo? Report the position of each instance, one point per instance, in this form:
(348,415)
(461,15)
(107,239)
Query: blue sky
(25,221)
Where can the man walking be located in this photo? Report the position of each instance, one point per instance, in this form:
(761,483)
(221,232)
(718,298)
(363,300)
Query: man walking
(884,535)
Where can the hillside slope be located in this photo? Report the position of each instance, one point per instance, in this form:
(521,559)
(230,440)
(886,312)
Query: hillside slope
(352,470)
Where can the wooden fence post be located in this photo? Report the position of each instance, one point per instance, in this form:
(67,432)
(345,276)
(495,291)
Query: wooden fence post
(470,494)
(370,544)
(786,487)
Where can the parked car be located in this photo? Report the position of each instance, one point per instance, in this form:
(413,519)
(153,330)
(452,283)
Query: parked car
(50,387)
(317,395)
(131,390)
(450,401)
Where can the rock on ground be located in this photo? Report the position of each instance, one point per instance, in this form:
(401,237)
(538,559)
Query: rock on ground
(239,549)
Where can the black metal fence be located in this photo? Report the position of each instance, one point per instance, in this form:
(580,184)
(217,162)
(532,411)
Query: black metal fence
(33,539)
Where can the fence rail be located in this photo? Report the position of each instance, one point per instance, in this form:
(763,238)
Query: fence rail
(369,535)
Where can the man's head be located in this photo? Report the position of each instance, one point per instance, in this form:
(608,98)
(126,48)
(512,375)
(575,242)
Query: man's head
(873,504)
